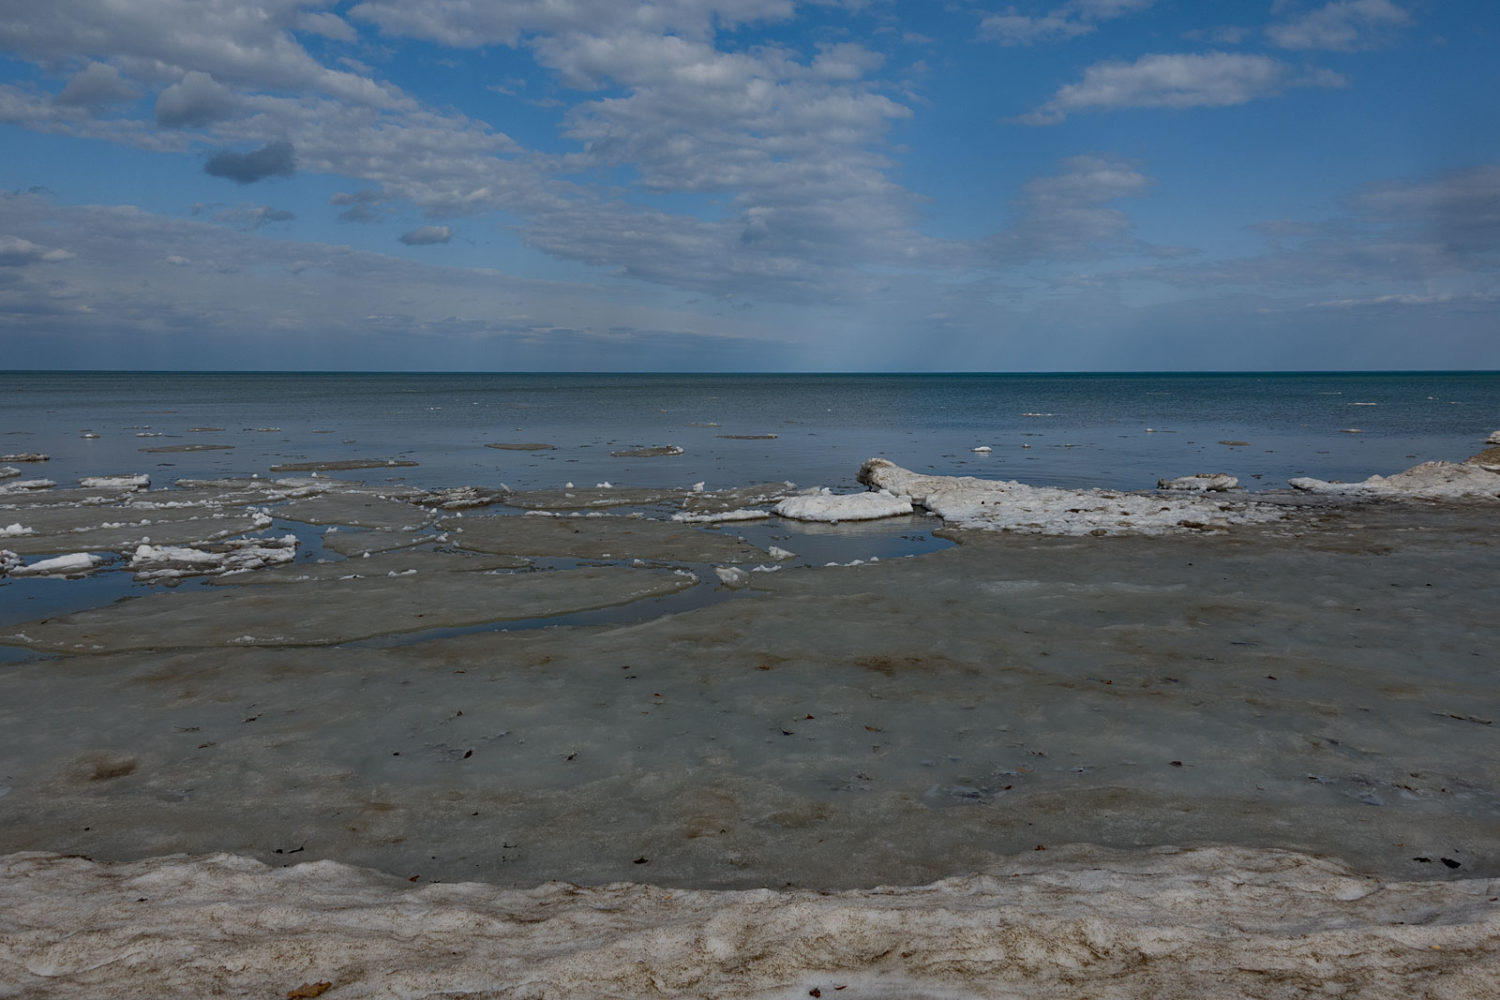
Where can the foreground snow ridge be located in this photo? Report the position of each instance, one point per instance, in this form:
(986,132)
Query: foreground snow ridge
(1072,922)
(993,505)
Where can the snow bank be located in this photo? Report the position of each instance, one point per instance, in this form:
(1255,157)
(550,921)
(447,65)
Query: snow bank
(239,555)
(991,505)
(825,505)
(1171,925)
(138,482)
(1428,481)
(75,564)
(1200,482)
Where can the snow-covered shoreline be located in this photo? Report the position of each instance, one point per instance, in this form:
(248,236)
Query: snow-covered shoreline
(1210,922)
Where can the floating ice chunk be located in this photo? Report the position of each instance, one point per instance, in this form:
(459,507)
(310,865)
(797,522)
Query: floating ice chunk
(983,449)
(73,564)
(15,530)
(24,456)
(1428,481)
(21,485)
(732,576)
(825,505)
(9,561)
(90,435)
(778,553)
(1494,438)
(1200,482)
(698,487)
(9,472)
(657,451)
(239,555)
(136,482)
(714,517)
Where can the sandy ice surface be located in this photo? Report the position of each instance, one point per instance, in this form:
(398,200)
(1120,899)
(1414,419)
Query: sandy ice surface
(1117,765)
(1215,923)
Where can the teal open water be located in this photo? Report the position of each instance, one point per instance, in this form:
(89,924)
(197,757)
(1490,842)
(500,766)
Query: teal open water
(1117,431)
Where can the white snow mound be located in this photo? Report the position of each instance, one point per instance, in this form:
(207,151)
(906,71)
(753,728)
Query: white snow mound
(992,505)
(825,505)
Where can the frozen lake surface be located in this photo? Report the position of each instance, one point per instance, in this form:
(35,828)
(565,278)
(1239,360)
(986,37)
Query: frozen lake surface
(1177,740)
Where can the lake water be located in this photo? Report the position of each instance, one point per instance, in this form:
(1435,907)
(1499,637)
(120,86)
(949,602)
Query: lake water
(1117,431)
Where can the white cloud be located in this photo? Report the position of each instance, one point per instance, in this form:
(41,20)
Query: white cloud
(17,252)
(95,85)
(1214,79)
(195,100)
(465,24)
(1068,20)
(1342,26)
(248,45)
(1067,215)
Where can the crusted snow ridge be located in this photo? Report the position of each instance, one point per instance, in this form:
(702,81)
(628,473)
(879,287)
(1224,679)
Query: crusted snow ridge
(1428,481)
(825,505)
(994,505)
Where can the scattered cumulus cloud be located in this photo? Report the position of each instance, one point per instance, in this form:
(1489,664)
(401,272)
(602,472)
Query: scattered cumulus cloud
(95,86)
(274,159)
(1341,26)
(194,101)
(252,216)
(1214,79)
(16,252)
(424,236)
(359,206)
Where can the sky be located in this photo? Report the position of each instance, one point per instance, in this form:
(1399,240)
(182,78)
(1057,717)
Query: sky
(750,185)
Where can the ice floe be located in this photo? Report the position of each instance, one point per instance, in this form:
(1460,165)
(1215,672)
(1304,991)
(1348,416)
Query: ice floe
(1428,481)
(15,530)
(658,451)
(136,482)
(1494,438)
(9,472)
(239,555)
(73,564)
(24,485)
(992,505)
(825,505)
(24,456)
(714,517)
(1200,482)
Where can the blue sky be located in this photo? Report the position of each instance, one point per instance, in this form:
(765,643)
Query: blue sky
(705,185)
